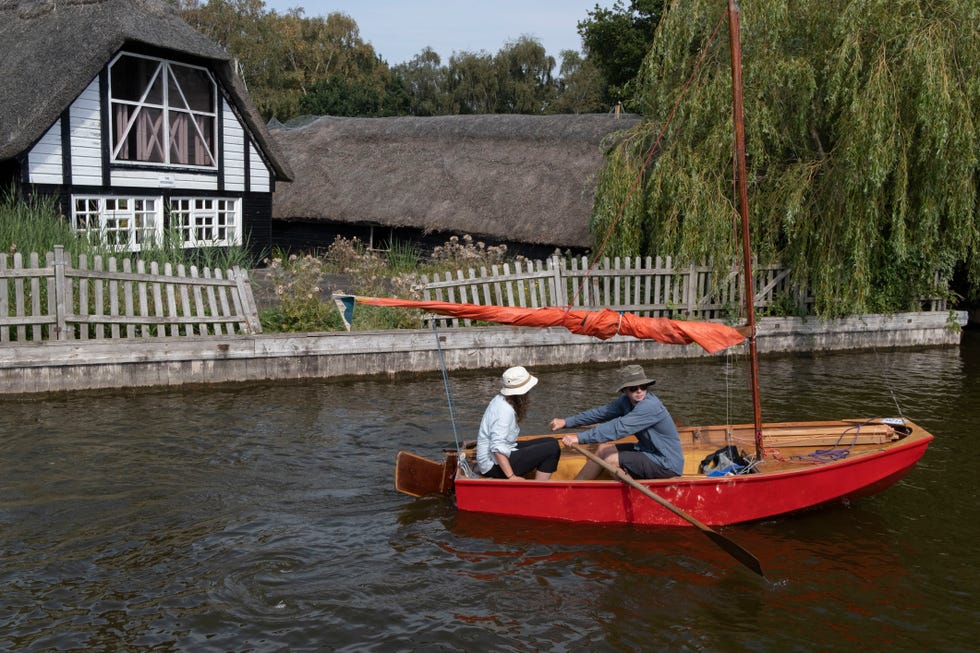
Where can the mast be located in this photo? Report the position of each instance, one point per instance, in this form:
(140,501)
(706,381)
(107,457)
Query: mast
(743,210)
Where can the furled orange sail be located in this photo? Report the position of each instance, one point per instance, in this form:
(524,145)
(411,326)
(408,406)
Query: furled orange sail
(604,324)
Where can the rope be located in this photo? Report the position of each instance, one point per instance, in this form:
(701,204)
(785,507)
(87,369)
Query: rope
(823,456)
(464,466)
(445,381)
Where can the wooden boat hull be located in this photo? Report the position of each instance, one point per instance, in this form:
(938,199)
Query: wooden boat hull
(784,488)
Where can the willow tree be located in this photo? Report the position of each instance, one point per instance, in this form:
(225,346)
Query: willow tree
(862,121)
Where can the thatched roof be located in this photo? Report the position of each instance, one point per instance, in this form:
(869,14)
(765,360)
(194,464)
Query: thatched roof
(50,50)
(515,178)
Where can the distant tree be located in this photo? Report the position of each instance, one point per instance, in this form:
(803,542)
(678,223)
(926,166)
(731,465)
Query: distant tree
(524,73)
(472,84)
(863,134)
(616,41)
(425,82)
(340,96)
(579,87)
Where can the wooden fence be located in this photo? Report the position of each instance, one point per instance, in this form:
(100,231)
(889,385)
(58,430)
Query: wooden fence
(646,286)
(109,299)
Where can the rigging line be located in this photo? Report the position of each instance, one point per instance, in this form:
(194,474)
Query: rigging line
(897,406)
(646,162)
(445,381)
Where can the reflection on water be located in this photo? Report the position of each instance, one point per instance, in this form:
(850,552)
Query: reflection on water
(264,518)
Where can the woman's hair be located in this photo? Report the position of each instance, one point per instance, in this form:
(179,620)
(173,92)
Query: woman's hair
(519,404)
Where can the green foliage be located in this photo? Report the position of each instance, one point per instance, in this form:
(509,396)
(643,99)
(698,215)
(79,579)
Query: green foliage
(403,257)
(616,40)
(581,88)
(863,133)
(524,69)
(297,284)
(339,96)
(33,226)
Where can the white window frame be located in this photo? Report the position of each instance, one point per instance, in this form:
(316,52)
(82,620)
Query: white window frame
(164,73)
(121,223)
(130,224)
(206,221)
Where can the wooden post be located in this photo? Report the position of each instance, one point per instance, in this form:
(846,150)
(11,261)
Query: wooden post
(60,292)
(248,301)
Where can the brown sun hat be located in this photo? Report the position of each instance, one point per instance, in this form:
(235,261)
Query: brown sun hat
(632,375)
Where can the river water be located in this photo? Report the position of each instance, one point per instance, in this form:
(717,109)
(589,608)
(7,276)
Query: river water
(264,518)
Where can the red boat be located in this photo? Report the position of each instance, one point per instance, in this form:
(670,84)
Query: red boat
(805,475)
(807,465)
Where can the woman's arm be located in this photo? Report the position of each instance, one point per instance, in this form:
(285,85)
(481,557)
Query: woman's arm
(504,463)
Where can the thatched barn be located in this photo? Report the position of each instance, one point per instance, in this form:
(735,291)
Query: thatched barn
(134,122)
(524,180)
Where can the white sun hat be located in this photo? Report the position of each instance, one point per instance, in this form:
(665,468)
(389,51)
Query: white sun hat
(517,381)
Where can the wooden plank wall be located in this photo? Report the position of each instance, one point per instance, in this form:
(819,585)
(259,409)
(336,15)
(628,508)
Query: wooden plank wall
(108,299)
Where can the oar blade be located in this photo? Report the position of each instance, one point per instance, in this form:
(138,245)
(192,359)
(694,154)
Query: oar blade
(735,551)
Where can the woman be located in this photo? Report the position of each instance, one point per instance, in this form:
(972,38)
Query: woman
(498,453)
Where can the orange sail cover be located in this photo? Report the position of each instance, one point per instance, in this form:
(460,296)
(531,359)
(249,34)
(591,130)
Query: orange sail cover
(602,324)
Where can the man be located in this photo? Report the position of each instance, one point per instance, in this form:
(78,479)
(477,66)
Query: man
(656,454)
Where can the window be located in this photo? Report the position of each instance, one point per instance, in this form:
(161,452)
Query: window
(122,223)
(132,224)
(204,222)
(162,112)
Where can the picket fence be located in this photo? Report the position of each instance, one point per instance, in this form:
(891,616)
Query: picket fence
(109,299)
(651,287)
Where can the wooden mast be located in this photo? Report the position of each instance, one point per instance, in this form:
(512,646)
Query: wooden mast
(743,210)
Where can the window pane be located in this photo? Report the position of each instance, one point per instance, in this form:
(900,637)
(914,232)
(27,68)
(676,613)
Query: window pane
(144,141)
(190,88)
(202,221)
(187,146)
(130,77)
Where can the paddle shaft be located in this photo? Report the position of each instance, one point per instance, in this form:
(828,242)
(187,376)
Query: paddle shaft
(731,547)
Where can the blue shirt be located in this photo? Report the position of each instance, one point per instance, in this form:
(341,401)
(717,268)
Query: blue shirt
(498,433)
(649,420)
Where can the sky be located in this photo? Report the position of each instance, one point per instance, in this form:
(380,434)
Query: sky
(399,29)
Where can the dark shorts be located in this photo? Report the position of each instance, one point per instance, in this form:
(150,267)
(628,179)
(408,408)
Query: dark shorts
(540,453)
(639,465)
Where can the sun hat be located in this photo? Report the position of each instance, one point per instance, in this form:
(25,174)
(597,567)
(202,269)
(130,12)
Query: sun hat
(517,381)
(632,375)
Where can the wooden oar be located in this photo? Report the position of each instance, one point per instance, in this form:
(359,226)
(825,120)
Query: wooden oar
(731,547)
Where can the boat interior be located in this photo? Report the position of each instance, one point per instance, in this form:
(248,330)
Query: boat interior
(786,445)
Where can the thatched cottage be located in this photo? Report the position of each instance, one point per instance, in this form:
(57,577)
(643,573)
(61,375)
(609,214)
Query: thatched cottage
(525,180)
(134,122)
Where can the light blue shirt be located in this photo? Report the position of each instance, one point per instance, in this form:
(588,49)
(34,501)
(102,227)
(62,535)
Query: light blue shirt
(498,433)
(649,420)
